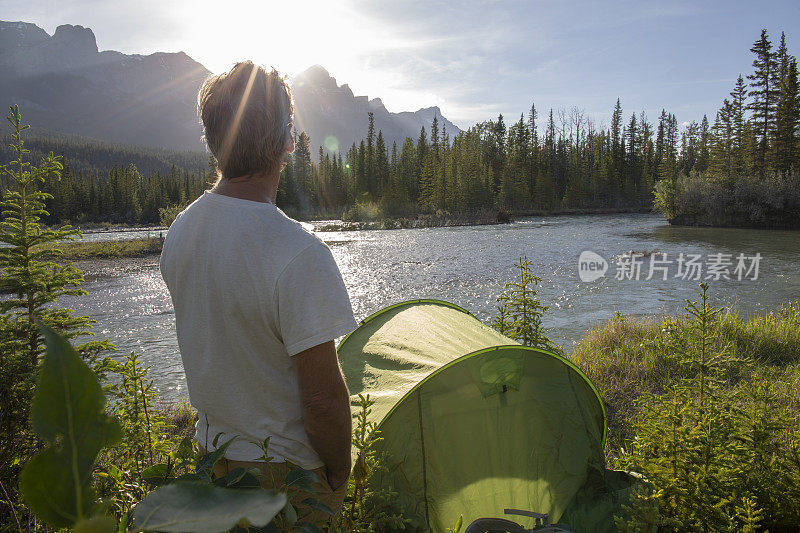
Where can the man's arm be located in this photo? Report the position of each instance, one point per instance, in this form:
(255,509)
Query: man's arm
(326,409)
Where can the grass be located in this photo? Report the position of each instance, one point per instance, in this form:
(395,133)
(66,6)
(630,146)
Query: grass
(81,250)
(181,418)
(628,357)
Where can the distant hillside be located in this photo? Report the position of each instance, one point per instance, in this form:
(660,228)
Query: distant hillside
(93,157)
(63,83)
(333,117)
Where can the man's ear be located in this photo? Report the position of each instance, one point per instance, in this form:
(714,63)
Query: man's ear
(289,146)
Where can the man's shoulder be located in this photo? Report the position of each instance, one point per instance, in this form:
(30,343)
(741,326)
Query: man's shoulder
(293,235)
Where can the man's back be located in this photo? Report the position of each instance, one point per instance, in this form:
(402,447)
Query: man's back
(251,288)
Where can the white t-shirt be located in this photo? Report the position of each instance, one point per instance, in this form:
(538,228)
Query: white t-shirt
(251,287)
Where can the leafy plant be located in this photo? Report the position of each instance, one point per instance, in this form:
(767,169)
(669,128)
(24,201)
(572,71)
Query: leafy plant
(168,214)
(68,414)
(56,483)
(150,451)
(368,507)
(202,508)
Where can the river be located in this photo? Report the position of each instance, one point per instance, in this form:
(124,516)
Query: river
(470,265)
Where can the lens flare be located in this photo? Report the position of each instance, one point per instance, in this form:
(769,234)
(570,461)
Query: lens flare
(332,143)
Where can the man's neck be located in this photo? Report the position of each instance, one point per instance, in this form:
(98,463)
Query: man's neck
(257,188)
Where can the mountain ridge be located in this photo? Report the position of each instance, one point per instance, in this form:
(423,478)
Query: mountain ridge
(63,82)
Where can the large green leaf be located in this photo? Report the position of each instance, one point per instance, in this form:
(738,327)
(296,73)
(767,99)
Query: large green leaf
(96,524)
(202,508)
(67,412)
(302,479)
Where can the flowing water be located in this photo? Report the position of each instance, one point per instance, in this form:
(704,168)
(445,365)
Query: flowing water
(470,265)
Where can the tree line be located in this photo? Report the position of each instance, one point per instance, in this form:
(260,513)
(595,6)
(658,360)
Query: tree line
(122,195)
(573,164)
(110,182)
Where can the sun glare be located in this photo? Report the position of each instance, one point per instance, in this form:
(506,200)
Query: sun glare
(292,36)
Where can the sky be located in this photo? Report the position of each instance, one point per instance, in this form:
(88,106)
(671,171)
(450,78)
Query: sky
(473,59)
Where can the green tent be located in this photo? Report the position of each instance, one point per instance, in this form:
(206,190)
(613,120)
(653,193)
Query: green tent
(474,423)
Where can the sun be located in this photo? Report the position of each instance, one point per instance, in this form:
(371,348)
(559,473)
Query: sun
(291,36)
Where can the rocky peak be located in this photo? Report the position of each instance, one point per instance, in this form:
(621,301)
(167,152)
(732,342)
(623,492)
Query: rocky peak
(431,112)
(316,76)
(76,38)
(376,104)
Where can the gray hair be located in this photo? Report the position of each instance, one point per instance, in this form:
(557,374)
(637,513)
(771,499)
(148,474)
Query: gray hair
(245,114)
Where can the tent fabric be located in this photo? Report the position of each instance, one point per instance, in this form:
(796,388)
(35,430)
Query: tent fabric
(474,423)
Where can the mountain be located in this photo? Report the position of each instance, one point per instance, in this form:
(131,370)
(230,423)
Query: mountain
(62,82)
(334,117)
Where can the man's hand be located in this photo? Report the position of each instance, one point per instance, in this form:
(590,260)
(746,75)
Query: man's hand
(326,409)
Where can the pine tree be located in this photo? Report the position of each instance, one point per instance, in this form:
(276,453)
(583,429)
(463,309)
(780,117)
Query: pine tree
(704,150)
(787,122)
(738,106)
(632,163)
(407,172)
(369,156)
(381,164)
(533,160)
(362,178)
(661,137)
(765,95)
(495,151)
(33,283)
(304,172)
(534,134)
(550,145)
(668,163)
(647,155)
(435,138)
(690,139)
(520,311)
(723,141)
(617,139)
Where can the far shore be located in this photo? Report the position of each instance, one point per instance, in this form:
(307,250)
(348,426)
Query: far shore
(447,220)
(104,257)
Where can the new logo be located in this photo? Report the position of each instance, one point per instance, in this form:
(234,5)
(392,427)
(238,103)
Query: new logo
(591,266)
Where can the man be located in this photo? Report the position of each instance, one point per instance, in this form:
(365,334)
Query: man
(258,299)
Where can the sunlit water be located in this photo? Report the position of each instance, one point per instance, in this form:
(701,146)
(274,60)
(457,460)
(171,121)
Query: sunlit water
(469,266)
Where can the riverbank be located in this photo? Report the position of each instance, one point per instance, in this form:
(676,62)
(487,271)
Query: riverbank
(117,249)
(706,407)
(107,227)
(628,358)
(704,221)
(444,219)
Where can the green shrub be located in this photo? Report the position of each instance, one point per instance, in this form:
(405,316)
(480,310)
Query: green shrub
(364,210)
(520,311)
(718,443)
